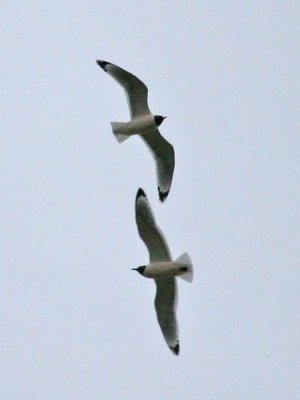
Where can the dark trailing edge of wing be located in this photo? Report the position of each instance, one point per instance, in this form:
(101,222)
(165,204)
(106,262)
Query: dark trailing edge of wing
(102,64)
(162,195)
(175,349)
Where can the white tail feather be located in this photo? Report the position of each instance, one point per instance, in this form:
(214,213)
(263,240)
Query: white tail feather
(116,128)
(185,260)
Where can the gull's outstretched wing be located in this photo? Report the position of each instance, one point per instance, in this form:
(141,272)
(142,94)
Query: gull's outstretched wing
(136,91)
(149,232)
(163,153)
(165,306)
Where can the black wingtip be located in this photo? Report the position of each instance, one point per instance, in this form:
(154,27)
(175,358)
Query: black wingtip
(175,349)
(140,193)
(102,64)
(162,195)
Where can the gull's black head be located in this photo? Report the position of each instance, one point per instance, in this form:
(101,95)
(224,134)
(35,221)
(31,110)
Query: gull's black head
(158,119)
(140,269)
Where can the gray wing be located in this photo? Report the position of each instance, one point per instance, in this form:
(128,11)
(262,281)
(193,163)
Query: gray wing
(148,230)
(165,306)
(163,153)
(136,91)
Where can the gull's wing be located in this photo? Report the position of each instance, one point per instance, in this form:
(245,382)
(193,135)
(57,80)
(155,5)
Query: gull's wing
(149,232)
(163,153)
(136,91)
(165,306)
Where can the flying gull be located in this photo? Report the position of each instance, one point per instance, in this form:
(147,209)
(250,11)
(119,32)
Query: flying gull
(143,123)
(162,269)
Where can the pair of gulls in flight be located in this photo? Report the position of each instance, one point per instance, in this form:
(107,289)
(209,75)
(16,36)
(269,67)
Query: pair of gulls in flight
(161,267)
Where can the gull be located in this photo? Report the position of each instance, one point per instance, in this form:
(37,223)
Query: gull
(143,123)
(162,269)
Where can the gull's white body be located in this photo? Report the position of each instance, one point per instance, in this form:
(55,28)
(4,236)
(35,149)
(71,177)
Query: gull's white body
(143,123)
(162,269)
(165,269)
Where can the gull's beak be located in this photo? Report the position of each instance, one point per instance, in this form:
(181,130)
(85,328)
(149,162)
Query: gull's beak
(134,269)
(165,117)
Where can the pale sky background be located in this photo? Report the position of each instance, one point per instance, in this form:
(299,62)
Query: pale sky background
(76,322)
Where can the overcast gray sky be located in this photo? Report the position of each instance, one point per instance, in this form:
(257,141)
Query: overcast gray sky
(76,323)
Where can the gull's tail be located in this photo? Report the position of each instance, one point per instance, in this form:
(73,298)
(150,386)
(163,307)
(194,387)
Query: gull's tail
(187,266)
(117,131)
